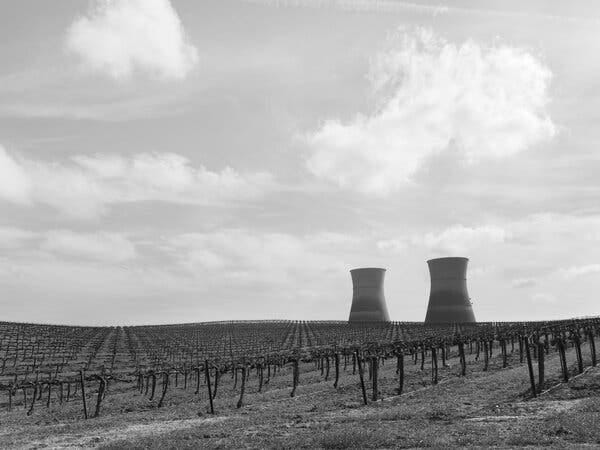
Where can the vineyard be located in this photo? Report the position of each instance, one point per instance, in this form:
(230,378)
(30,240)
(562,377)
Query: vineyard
(221,364)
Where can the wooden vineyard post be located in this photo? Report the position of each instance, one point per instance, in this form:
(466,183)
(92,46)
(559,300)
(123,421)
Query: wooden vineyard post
(217,378)
(260,377)
(295,377)
(592,346)
(33,399)
(529,366)
(463,362)
(207,375)
(422,357)
(434,366)
(165,387)
(485,355)
(10,396)
(82,382)
(504,355)
(101,389)
(577,341)
(197,381)
(563,359)
(400,369)
(375,370)
(521,349)
(336,358)
(25,397)
(361,376)
(540,366)
(242,387)
(153,376)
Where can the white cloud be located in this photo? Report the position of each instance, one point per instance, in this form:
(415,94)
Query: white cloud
(11,237)
(458,238)
(400,7)
(432,95)
(578,271)
(241,256)
(100,246)
(545,228)
(15,185)
(523,282)
(86,185)
(383,6)
(120,37)
(480,272)
(392,245)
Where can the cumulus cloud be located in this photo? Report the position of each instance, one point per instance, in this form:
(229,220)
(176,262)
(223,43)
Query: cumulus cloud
(392,245)
(100,246)
(15,185)
(103,246)
(459,238)
(432,95)
(456,239)
(243,256)
(543,229)
(534,242)
(119,37)
(85,186)
(578,271)
(12,237)
(523,282)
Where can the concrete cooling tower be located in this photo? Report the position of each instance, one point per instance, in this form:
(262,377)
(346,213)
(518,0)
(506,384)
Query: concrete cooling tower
(448,299)
(368,301)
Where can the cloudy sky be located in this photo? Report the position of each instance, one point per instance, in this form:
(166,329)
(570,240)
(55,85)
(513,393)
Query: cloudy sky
(181,161)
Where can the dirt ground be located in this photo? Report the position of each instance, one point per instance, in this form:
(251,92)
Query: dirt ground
(490,408)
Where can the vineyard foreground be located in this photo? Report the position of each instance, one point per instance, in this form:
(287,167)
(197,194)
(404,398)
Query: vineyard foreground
(300,384)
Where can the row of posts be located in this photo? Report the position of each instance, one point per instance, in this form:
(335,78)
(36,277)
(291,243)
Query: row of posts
(540,347)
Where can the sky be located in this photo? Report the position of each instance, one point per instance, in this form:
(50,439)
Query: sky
(169,161)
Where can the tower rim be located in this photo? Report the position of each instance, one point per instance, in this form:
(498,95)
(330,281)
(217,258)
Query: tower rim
(368,268)
(448,258)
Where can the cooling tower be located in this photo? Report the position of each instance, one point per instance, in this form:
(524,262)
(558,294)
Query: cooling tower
(448,299)
(368,302)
